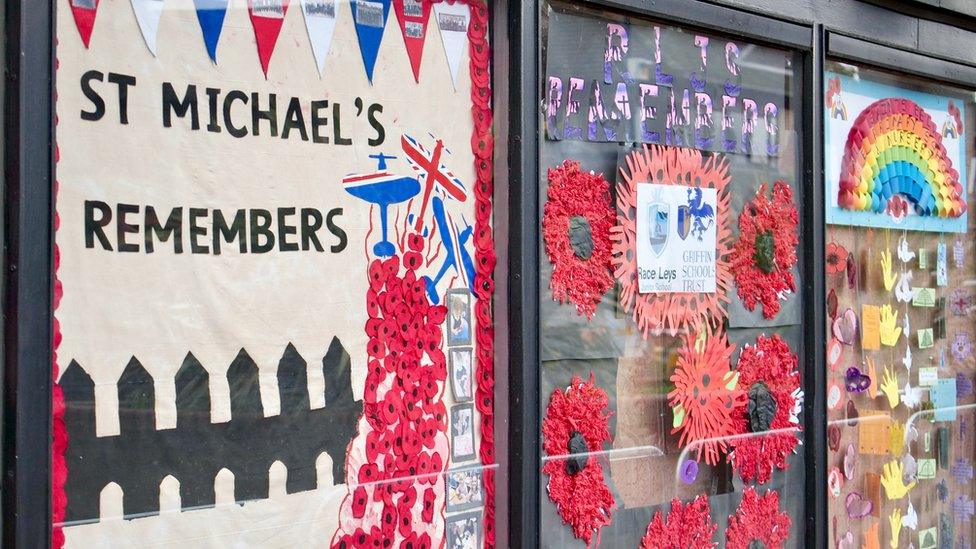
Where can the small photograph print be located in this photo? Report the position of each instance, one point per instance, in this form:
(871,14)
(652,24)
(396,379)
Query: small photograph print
(464,489)
(413,8)
(461,374)
(321,8)
(413,30)
(451,22)
(369,14)
(458,317)
(464,531)
(462,432)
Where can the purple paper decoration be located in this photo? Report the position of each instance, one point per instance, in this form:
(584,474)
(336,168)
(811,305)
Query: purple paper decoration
(963,428)
(963,508)
(962,471)
(962,346)
(855,381)
(857,506)
(689,471)
(959,302)
(962,542)
(964,385)
(958,253)
(943,491)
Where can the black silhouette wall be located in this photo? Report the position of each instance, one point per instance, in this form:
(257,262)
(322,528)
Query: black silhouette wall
(140,456)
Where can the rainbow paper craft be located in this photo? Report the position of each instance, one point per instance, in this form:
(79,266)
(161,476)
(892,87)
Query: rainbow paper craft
(894,170)
(895,148)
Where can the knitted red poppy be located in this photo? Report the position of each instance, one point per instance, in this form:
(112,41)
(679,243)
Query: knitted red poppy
(705,395)
(758,519)
(688,526)
(768,376)
(576,224)
(764,256)
(671,312)
(575,423)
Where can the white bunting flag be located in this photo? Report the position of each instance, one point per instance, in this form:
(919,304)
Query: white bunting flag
(147,15)
(320,20)
(452,21)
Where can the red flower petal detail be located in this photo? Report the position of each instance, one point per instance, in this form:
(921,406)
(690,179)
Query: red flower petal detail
(688,526)
(758,519)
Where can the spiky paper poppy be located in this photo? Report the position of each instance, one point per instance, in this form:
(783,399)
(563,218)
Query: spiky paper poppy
(576,426)
(671,312)
(768,376)
(705,394)
(688,526)
(758,519)
(576,223)
(764,256)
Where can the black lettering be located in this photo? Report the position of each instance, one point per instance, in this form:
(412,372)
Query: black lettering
(173,104)
(271,115)
(261,226)
(336,230)
(311,222)
(95,227)
(284,229)
(318,121)
(371,112)
(123,81)
(196,230)
(173,227)
(97,102)
(337,127)
(214,125)
(122,227)
(294,119)
(229,232)
(229,99)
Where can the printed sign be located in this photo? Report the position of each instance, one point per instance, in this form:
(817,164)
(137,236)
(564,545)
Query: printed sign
(675,238)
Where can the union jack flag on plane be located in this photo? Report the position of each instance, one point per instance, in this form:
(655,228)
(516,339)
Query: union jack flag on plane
(435,173)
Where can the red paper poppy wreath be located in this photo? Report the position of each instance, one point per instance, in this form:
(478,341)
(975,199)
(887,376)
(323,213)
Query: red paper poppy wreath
(705,395)
(576,223)
(769,418)
(576,425)
(688,526)
(758,522)
(764,256)
(671,312)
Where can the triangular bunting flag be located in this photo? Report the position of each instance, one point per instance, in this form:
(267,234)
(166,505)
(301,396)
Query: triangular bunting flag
(320,20)
(370,18)
(267,17)
(413,16)
(452,20)
(84,14)
(147,15)
(210,14)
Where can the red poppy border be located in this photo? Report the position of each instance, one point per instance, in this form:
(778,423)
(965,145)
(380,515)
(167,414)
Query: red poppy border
(688,526)
(758,518)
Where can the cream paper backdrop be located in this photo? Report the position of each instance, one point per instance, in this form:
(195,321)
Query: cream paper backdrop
(158,307)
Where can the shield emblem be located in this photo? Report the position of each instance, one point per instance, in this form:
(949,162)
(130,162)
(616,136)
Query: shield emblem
(658,227)
(684,221)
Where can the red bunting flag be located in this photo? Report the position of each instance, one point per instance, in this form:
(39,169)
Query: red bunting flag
(267,17)
(84,14)
(413,16)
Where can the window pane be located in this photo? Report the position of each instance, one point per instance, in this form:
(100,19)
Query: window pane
(671,322)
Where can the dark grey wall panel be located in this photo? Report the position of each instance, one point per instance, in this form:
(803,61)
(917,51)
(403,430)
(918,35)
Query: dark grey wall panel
(967,7)
(946,41)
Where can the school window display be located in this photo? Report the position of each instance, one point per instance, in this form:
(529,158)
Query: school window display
(274,274)
(900,273)
(671,307)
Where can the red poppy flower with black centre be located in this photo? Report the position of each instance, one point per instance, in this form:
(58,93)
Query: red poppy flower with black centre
(369,472)
(371,411)
(391,266)
(407,283)
(390,407)
(415,242)
(377,276)
(405,519)
(375,349)
(359,500)
(373,327)
(702,399)
(428,431)
(836,258)
(769,377)
(428,385)
(428,512)
(408,497)
(436,314)
(383,493)
(412,260)
(376,538)
(765,254)
(438,412)
(434,464)
(576,224)
(409,440)
(575,423)
(688,526)
(376,445)
(371,387)
(437,357)
(372,304)
(758,522)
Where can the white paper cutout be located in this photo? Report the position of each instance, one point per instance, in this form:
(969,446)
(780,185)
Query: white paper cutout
(912,397)
(452,21)
(903,291)
(942,265)
(320,22)
(907,324)
(907,359)
(147,15)
(905,254)
(910,519)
